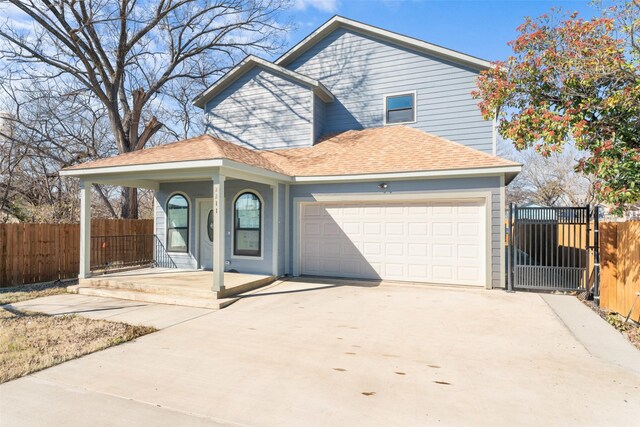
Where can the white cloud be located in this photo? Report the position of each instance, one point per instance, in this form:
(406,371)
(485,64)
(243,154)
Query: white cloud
(322,5)
(13,15)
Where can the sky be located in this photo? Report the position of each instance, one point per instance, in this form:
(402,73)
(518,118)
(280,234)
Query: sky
(480,28)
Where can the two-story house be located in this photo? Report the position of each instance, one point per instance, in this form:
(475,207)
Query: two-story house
(359,153)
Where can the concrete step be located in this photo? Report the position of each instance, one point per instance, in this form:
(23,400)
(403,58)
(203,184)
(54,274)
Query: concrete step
(160,298)
(137,286)
(117,283)
(245,287)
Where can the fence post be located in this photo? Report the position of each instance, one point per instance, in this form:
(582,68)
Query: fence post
(513,238)
(586,252)
(510,248)
(596,255)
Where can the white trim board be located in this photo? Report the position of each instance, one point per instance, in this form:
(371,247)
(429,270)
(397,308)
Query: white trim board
(198,225)
(448,173)
(202,169)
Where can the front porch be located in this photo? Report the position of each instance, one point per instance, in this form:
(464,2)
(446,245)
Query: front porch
(171,286)
(217,226)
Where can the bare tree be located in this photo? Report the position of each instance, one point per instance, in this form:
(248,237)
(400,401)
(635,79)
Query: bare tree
(42,131)
(548,181)
(126,52)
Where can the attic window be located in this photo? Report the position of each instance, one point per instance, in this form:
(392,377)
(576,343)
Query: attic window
(400,108)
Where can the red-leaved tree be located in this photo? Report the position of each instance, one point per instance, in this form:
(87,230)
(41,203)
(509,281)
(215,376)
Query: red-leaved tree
(575,79)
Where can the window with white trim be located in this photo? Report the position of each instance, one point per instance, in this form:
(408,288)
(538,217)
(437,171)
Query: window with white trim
(400,108)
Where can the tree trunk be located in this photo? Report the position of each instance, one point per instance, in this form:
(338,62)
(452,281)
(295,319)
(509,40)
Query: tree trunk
(129,203)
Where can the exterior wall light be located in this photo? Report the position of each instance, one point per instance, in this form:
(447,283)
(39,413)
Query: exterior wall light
(383,185)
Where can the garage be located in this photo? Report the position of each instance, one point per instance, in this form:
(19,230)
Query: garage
(419,241)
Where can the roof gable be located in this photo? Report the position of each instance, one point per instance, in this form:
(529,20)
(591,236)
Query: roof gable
(251,62)
(382,34)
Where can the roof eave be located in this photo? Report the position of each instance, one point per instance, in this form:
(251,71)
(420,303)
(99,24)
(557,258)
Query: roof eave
(507,170)
(253,61)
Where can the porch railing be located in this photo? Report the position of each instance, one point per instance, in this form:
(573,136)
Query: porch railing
(116,252)
(110,253)
(162,258)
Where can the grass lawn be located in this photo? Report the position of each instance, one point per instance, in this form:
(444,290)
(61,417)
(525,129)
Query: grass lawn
(30,342)
(26,292)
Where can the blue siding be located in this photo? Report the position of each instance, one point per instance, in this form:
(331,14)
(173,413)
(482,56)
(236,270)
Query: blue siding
(360,70)
(489,184)
(204,189)
(319,109)
(262,111)
(192,191)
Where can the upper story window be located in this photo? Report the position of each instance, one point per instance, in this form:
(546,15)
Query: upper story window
(247,227)
(400,108)
(177,224)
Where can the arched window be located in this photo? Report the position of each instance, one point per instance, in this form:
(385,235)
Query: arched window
(247,225)
(178,224)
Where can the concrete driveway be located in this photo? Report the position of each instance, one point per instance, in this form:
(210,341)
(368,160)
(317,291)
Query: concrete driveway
(313,353)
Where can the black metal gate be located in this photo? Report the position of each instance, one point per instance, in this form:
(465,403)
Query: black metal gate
(553,248)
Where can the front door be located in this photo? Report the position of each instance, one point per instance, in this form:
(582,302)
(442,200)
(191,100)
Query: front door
(205,234)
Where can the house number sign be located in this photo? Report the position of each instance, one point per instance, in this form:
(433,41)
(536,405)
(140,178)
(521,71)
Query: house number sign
(216,198)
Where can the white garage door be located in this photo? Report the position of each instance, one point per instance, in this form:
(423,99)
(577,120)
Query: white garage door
(437,242)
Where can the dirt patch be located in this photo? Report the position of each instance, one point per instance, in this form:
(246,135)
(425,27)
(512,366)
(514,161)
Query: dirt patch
(27,292)
(30,342)
(630,330)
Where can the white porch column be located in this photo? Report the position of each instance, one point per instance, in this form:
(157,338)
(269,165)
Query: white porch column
(85,229)
(276,239)
(219,232)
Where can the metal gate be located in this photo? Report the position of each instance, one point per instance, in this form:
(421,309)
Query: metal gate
(553,248)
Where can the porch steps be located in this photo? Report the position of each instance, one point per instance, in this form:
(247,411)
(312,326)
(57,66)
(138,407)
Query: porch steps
(173,299)
(245,287)
(164,293)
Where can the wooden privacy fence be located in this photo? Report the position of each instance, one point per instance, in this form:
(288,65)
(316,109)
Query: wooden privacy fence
(31,253)
(620,266)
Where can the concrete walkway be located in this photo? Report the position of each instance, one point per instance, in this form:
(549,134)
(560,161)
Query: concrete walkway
(598,337)
(340,353)
(159,316)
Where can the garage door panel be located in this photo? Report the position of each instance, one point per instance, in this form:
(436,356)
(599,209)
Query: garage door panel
(394,211)
(417,271)
(394,228)
(312,229)
(443,273)
(468,252)
(466,229)
(372,248)
(468,274)
(351,228)
(418,228)
(442,229)
(331,229)
(418,249)
(314,210)
(442,210)
(372,229)
(330,248)
(419,241)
